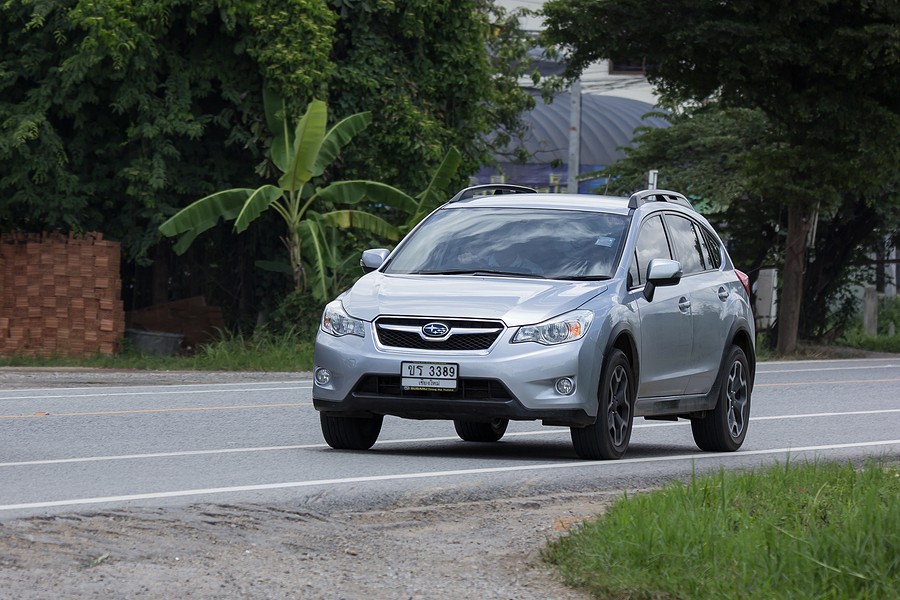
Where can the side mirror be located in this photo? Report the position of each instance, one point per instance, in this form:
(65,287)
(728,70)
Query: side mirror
(372,259)
(661,272)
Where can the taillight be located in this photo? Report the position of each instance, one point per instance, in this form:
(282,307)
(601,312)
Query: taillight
(745,281)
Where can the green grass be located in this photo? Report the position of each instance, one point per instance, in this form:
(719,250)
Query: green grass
(881,343)
(290,351)
(816,530)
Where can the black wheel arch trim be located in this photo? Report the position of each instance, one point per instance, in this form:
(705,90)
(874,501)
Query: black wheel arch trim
(619,331)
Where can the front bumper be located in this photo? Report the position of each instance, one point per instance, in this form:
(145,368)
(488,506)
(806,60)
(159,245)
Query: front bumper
(510,381)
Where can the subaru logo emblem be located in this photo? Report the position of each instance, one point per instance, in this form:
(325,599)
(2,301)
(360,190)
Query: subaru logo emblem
(435,330)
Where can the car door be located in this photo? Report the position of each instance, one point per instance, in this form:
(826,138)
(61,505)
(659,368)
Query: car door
(665,322)
(707,295)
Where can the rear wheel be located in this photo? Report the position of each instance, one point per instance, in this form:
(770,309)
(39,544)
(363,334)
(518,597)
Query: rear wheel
(477,431)
(608,437)
(350,433)
(724,428)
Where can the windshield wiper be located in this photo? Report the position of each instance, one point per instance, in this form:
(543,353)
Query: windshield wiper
(479,272)
(582,277)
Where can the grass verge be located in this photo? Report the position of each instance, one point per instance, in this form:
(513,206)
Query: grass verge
(814,530)
(290,351)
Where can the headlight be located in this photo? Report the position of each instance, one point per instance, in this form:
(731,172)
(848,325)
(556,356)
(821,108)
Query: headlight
(337,322)
(567,328)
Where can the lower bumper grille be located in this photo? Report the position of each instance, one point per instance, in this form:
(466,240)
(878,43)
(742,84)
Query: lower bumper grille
(389,386)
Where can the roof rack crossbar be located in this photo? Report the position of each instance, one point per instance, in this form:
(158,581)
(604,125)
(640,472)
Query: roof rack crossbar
(497,188)
(642,197)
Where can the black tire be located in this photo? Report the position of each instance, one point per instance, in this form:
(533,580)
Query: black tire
(350,433)
(724,428)
(608,437)
(477,431)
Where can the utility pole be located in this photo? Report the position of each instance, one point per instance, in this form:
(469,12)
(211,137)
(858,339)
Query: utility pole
(574,138)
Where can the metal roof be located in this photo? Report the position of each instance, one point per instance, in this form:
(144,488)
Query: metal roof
(607,124)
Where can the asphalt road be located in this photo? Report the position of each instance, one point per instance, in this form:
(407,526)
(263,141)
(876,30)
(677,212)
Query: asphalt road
(88,447)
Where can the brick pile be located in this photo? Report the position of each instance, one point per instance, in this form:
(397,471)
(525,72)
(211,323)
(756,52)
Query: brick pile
(59,295)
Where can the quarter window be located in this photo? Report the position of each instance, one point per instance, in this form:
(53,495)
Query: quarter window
(712,252)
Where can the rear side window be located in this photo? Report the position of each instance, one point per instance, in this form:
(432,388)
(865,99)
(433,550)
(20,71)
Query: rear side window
(712,252)
(686,242)
(651,243)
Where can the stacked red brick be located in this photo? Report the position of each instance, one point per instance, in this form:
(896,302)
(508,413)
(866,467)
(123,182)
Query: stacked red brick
(59,295)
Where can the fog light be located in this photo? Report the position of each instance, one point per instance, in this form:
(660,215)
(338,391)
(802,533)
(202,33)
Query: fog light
(565,386)
(323,376)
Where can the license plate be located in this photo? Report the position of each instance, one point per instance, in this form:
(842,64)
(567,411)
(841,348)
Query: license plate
(428,375)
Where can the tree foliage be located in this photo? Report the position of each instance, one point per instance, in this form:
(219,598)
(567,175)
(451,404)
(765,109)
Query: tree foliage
(434,74)
(709,153)
(113,113)
(825,73)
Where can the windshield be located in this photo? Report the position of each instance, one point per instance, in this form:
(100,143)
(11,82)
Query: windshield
(554,244)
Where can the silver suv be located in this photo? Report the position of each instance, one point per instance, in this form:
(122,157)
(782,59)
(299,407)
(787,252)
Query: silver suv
(576,310)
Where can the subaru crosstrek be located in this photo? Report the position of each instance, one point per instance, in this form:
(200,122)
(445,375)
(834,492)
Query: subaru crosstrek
(576,310)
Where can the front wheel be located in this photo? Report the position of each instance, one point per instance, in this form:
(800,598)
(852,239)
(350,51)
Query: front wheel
(608,437)
(350,433)
(476,431)
(724,428)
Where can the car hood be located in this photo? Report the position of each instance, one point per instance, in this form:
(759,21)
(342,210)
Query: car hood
(516,301)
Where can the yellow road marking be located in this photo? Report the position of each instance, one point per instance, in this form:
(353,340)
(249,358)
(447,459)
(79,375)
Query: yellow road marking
(150,410)
(840,381)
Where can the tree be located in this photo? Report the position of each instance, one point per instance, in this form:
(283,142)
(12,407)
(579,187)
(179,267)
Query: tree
(434,75)
(708,152)
(114,113)
(826,73)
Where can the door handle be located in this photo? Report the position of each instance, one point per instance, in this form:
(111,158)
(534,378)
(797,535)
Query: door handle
(684,304)
(723,294)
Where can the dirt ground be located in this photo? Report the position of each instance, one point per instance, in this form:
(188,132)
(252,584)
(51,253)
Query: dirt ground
(487,550)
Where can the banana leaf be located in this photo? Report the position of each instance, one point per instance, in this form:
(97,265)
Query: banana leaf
(258,201)
(338,137)
(282,142)
(203,214)
(356,191)
(359,219)
(314,238)
(308,138)
(434,194)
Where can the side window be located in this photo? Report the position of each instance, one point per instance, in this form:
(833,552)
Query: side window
(651,243)
(686,244)
(712,252)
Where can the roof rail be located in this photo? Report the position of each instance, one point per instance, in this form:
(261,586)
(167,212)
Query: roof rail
(639,198)
(498,188)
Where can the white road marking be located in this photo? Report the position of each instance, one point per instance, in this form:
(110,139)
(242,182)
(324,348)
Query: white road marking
(544,431)
(432,474)
(764,372)
(308,386)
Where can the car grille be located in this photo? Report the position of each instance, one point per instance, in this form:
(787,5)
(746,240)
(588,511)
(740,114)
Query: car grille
(399,332)
(389,386)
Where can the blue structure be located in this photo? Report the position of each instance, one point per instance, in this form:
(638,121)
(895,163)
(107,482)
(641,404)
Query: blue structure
(607,124)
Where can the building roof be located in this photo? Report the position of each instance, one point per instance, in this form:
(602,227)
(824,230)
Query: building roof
(607,124)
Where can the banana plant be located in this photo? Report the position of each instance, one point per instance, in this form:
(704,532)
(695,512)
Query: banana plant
(300,154)
(326,263)
(416,208)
